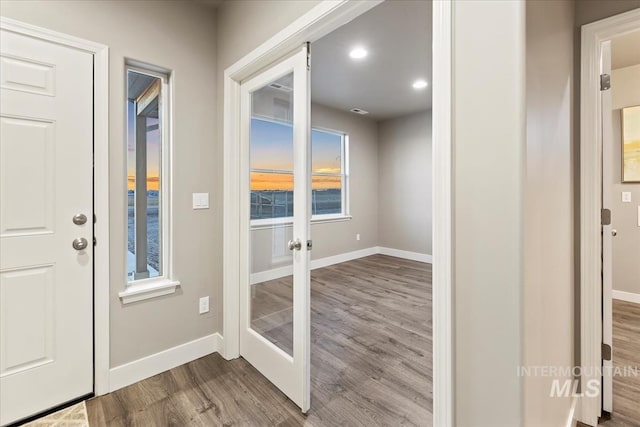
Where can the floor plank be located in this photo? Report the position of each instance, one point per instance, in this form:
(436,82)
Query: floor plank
(371,361)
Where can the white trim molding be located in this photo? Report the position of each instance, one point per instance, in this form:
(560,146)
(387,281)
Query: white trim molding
(626,296)
(593,36)
(149,288)
(138,370)
(572,418)
(100,54)
(442,205)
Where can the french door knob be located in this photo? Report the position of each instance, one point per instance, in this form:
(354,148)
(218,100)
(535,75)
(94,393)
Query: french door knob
(80,244)
(295,244)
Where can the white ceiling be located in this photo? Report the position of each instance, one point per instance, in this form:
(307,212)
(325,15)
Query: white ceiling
(625,50)
(397,35)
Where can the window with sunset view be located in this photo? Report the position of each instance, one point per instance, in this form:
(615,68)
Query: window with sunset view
(146,190)
(272,171)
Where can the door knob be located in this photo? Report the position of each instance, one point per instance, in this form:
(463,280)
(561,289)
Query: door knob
(79,219)
(80,244)
(295,244)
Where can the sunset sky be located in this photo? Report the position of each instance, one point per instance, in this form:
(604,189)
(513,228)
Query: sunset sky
(272,149)
(153,152)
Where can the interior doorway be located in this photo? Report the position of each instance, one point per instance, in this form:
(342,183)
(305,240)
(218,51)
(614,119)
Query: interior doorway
(609,160)
(317,24)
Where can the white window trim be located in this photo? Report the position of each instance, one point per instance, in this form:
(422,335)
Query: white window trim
(344,176)
(165,284)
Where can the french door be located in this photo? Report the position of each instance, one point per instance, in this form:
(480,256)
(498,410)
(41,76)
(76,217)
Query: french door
(275,234)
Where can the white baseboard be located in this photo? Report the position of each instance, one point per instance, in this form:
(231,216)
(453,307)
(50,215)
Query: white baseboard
(626,296)
(138,370)
(276,273)
(572,419)
(337,259)
(414,256)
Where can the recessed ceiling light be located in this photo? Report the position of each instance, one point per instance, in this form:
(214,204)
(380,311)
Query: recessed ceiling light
(419,84)
(358,53)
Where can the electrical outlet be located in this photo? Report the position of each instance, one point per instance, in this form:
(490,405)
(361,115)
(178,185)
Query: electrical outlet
(358,236)
(626,197)
(204,305)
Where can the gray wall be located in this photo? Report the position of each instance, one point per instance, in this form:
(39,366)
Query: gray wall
(625,87)
(340,237)
(138,30)
(404,183)
(548,207)
(489,146)
(334,238)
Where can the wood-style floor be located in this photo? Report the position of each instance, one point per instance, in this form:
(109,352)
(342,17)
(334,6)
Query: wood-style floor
(626,354)
(371,362)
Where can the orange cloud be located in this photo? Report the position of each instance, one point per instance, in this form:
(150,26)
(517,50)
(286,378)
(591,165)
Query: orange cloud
(153,182)
(284,182)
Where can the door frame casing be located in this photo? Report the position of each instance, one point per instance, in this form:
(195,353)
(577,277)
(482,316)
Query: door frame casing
(593,36)
(100,54)
(319,21)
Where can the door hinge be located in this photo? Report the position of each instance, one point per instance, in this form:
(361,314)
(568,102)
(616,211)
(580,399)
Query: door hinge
(308,56)
(606,352)
(605,216)
(95,242)
(605,82)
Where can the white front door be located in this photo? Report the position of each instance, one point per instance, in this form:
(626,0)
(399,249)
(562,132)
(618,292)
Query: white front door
(275,213)
(46,182)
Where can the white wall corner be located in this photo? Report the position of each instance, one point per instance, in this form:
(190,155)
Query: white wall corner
(146,367)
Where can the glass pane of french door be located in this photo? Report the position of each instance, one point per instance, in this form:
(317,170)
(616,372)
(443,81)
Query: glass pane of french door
(275,213)
(271,193)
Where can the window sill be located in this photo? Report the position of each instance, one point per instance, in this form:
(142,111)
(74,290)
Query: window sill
(146,289)
(261,223)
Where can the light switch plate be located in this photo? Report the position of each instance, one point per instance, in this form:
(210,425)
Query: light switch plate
(200,200)
(626,196)
(204,305)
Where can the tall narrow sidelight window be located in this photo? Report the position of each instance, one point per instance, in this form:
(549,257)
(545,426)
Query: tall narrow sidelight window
(147,174)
